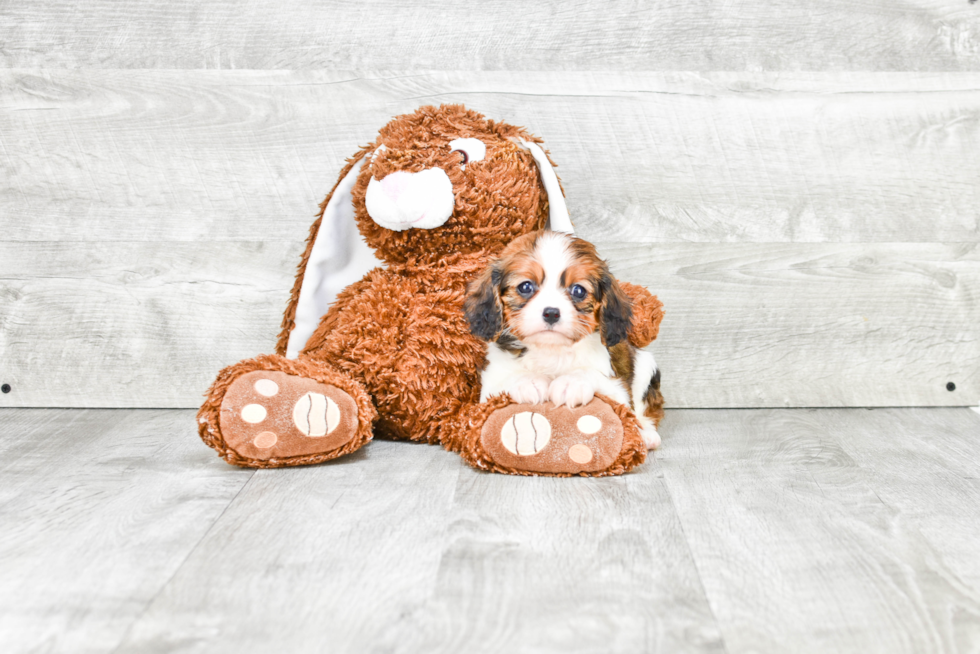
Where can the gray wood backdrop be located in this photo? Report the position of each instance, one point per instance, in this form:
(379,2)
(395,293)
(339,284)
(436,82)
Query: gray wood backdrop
(814,235)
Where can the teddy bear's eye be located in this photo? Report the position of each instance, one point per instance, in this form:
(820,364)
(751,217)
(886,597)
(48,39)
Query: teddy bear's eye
(472,150)
(526,289)
(578,292)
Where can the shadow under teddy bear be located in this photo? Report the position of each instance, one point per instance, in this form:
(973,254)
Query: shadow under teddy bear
(374,340)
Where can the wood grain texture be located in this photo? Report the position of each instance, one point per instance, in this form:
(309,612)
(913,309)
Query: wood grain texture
(924,463)
(99,509)
(798,548)
(152,221)
(150,324)
(488,564)
(558,565)
(664,157)
(763,531)
(134,324)
(512,35)
(812,324)
(324,558)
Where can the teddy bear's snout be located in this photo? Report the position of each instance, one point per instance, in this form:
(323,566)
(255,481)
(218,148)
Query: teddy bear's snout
(404,200)
(394,184)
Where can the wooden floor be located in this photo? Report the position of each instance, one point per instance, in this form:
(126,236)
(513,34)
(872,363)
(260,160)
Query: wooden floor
(843,530)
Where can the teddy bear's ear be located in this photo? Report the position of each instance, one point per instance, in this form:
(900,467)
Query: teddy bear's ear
(558,220)
(336,256)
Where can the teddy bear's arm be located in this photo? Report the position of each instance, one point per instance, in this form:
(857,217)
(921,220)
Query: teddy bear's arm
(330,318)
(648,311)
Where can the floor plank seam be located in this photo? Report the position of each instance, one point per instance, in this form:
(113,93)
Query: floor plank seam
(54,415)
(163,586)
(694,561)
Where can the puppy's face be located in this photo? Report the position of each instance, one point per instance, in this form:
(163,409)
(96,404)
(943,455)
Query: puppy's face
(547,289)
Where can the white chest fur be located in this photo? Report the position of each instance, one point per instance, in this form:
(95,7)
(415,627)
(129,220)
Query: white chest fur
(588,360)
(588,355)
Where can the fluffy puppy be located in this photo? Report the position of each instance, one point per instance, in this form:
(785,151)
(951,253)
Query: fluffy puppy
(557,322)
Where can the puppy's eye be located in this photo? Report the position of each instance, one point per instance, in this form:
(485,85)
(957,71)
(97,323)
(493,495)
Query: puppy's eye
(526,289)
(578,292)
(472,150)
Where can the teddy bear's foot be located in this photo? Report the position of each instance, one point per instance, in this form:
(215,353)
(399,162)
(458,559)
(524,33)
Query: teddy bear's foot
(591,440)
(270,412)
(271,415)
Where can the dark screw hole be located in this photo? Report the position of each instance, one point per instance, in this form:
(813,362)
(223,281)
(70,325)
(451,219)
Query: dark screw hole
(5,388)
(949,387)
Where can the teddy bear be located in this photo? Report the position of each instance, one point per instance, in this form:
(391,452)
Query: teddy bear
(374,341)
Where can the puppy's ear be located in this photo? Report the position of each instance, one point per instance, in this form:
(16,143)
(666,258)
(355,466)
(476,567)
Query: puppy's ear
(482,305)
(616,313)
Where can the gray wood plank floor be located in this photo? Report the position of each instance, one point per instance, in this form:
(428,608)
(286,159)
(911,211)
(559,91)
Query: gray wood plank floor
(847,530)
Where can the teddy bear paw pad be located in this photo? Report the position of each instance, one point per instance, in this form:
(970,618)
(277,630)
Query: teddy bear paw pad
(269,415)
(548,439)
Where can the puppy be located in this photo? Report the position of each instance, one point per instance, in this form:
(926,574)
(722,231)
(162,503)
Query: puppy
(557,322)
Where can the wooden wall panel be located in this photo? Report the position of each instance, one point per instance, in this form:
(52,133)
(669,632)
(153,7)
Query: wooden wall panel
(503,35)
(150,324)
(815,325)
(813,233)
(247,155)
(134,324)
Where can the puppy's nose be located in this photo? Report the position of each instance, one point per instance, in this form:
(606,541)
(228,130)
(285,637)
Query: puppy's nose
(551,315)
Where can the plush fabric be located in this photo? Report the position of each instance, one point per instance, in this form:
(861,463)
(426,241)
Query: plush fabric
(396,341)
(648,312)
(472,441)
(209,416)
(337,258)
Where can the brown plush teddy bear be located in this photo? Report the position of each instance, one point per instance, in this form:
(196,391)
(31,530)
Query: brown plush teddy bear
(374,341)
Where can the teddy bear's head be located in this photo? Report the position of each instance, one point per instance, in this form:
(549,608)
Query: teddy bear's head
(436,184)
(445,180)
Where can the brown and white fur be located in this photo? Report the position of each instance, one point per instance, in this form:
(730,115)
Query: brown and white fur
(556,323)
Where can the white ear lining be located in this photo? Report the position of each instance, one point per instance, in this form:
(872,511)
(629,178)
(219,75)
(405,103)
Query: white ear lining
(558,219)
(339,258)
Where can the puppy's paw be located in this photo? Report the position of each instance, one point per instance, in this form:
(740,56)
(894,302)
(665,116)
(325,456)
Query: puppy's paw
(529,389)
(648,430)
(651,438)
(572,390)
